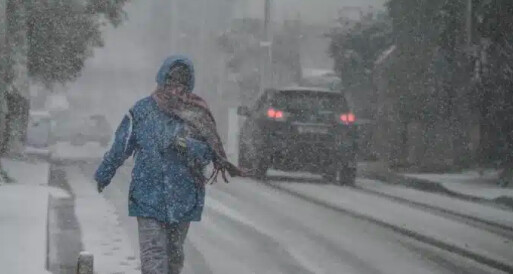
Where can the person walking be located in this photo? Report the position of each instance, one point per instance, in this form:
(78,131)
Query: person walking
(172,136)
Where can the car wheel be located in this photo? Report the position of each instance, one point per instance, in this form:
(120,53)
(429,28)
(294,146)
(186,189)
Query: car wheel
(347,176)
(257,165)
(243,162)
(330,176)
(261,169)
(261,158)
(254,159)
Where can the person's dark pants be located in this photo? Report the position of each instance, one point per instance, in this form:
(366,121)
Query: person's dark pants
(161,246)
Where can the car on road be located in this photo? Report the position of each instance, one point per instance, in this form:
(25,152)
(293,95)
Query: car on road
(38,129)
(81,129)
(299,129)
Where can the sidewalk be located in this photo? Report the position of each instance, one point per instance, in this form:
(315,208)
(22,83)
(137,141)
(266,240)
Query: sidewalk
(102,232)
(23,217)
(468,185)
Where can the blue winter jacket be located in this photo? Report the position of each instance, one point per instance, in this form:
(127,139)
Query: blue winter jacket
(162,185)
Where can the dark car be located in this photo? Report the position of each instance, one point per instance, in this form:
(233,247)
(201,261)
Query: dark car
(300,129)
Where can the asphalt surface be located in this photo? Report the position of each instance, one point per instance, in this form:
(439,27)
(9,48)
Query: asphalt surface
(251,227)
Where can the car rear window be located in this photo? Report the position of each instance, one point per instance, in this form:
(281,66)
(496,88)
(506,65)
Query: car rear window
(309,100)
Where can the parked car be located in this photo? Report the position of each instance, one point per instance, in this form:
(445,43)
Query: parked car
(38,129)
(300,129)
(78,130)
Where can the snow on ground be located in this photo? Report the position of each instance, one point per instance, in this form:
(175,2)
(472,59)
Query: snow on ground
(469,183)
(296,175)
(297,253)
(248,227)
(23,217)
(317,239)
(23,229)
(484,212)
(102,234)
(18,170)
(428,224)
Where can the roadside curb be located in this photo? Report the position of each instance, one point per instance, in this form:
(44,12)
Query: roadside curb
(45,158)
(65,238)
(503,266)
(433,187)
(47,227)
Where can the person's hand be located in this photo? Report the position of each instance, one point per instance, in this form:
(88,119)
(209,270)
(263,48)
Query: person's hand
(181,142)
(180,145)
(100,187)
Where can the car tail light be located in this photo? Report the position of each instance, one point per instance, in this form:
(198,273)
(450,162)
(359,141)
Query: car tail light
(348,118)
(351,118)
(275,114)
(279,115)
(271,113)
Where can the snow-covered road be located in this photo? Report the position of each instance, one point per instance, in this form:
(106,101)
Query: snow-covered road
(250,227)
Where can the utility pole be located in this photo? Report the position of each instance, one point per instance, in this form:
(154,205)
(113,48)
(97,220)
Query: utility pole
(473,49)
(266,42)
(469,23)
(267,19)
(3,66)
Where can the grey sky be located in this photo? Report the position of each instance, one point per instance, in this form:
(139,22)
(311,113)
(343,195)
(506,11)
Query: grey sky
(314,11)
(125,68)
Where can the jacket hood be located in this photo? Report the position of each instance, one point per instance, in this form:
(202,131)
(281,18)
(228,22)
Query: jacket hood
(171,62)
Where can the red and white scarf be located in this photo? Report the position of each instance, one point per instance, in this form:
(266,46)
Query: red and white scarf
(194,111)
